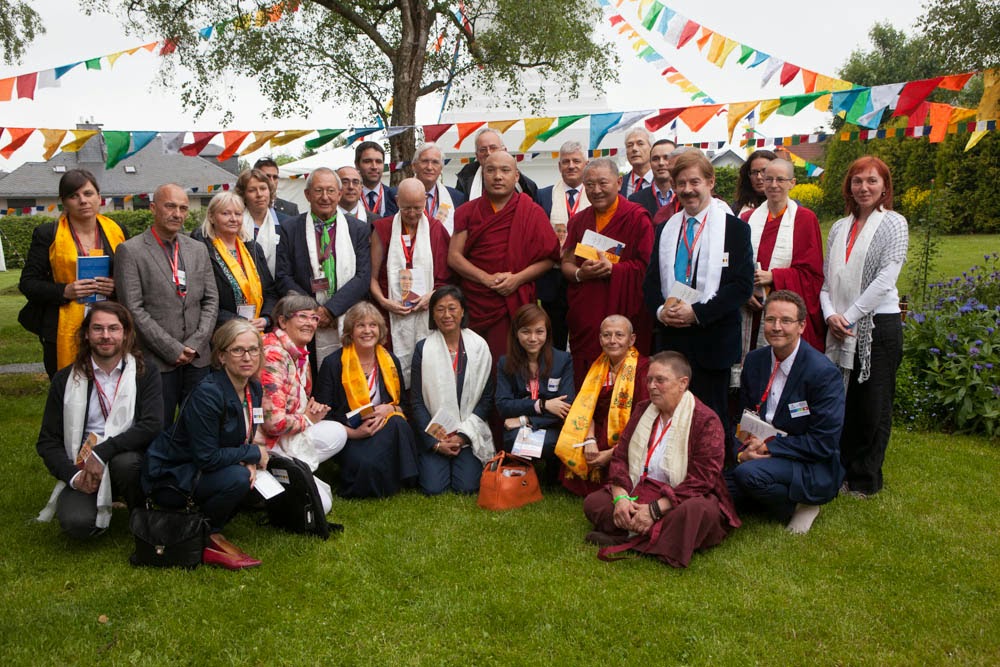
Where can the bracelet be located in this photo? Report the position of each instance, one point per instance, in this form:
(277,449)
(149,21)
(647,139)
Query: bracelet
(523,420)
(655,511)
(739,457)
(576,275)
(542,405)
(437,446)
(624,495)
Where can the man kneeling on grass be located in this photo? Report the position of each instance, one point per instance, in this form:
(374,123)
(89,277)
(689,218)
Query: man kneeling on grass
(101,414)
(665,496)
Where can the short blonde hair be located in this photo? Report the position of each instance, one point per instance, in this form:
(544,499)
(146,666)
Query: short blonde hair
(230,331)
(358,312)
(219,202)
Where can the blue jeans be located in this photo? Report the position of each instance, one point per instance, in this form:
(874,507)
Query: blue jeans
(762,483)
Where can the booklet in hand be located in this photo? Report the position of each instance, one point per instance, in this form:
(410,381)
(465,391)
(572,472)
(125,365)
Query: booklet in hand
(443,424)
(89,267)
(355,417)
(597,246)
(681,293)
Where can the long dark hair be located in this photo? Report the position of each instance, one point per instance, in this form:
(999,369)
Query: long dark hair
(130,345)
(745,194)
(516,362)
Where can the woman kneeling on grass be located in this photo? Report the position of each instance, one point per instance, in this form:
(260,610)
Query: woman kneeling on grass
(208,453)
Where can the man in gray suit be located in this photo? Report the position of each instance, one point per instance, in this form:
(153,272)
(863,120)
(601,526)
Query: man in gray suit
(165,279)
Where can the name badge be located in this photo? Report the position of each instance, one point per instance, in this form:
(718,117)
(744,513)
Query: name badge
(553,384)
(319,285)
(725,259)
(246,311)
(182,279)
(407,240)
(258,415)
(799,409)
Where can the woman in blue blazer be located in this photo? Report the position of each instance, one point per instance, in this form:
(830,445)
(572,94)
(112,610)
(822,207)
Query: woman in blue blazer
(209,452)
(534,382)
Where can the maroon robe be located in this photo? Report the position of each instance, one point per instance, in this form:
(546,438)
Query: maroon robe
(701,511)
(621,294)
(640,394)
(508,240)
(804,276)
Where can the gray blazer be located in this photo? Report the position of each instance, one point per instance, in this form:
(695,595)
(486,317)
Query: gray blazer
(166,322)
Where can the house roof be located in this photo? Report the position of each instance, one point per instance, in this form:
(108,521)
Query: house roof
(815,153)
(152,168)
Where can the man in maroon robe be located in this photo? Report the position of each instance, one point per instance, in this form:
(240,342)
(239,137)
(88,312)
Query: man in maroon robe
(801,265)
(672,503)
(502,243)
(598,288)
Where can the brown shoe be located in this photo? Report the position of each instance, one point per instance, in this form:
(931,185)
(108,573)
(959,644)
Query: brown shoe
(602,539)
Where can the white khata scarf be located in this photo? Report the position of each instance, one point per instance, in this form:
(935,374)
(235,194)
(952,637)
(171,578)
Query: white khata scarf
(407,330)
(673,465)
(328,340)
(709,251)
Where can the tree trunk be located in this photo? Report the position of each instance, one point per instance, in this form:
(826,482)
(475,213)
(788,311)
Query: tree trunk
(408,67)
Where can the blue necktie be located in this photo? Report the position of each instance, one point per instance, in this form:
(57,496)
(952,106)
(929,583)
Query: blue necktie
(572,196)
(371,201)
(682,261)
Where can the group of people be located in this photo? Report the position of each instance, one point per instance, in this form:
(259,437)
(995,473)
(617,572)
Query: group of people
(616,328)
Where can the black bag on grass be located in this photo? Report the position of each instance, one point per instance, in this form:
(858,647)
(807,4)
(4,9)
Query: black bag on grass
(168,538)
(299,509)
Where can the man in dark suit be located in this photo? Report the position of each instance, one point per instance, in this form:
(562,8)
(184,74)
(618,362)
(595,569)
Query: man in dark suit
(351,201)
(799,391)
(165,279)
(283,207)
(442,201)
(659,197)
(637,144)
(704,254)
(327,255)
(369,159)
(470,178)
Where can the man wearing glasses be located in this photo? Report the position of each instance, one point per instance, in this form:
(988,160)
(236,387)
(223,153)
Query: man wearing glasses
(798,391)
(102,412)
(327,255)
(470,177)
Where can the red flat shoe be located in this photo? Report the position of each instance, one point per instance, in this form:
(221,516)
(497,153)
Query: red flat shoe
(210,556)
(220,543)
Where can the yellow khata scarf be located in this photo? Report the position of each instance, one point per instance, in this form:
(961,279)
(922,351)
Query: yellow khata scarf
(355,383)
(580,415)
(248,280)
(62,259)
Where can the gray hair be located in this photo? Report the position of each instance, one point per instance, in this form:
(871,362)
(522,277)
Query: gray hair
(219,201)
(426,146)
(599,163)
(291,304)
(322,170)
(572,147)
(638,129)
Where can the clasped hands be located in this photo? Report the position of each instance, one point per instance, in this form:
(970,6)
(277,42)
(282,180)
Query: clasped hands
(633,516)
(678,314)
(373,423)
(504,284)
(753,448)
(89,479)
(79,289)
(594,269)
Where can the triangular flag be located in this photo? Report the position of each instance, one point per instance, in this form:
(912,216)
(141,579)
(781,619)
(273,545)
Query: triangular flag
(745,53)
(18,135)
(6,89)
(325,137)
(940,114)
(630,118)
(561,124)
(706,34)
(151,46)
(398,129)
(808,80)
(261,138)
(80,138)
(738,111)
(140,140)
(93,64)
(465,129)
(616,19)
(201,140)
(47,79)
(767,107)
(913,94)
(288,136)
(687,32)
(358,133)
(52,140)
(792,104)
(664,23)
(501,126)
(434,132)
(206,33)
(600,124)
(63,69)
(974,139)
(696,117)
(169,46)
(116,142)
(715,50)
(788,72)
(759,59)
(675,27)
(113,57)
(26,85)
(773,65)
(727,49)
(663,118)
(989,103)
(861,106)
(955,81)
(231,141)
(958,114)
(842,100)
(649,20)
(532,128)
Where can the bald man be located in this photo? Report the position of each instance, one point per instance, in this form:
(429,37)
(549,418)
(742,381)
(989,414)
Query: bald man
(503,241)
(350,195)
(408,245)
(470,178)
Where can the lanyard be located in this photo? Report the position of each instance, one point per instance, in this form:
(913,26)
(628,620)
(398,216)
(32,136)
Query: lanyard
(852,237)
(533,388)
(431,206)
(407,253)
(249,415)
(767,389)
(572,209)
(102,399)
(694,244)
(79,244)
(173,262)
(378,202)
(372,380)
(649,453)
(454,359)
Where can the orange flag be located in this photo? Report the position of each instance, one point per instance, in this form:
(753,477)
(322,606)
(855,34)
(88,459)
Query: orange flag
(52,140)
(465,129)
(18,135)
(940,114)
(696,117)
(231,140)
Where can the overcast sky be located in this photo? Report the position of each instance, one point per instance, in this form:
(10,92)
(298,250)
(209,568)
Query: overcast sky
(816,35)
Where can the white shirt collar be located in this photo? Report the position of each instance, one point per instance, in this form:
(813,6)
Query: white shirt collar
(786,365)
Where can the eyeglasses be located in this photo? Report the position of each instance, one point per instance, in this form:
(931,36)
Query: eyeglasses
(330,192)
(243,351)
(351,181)
(783,321)
(776,179)
(306,317)
(111,329)
(756,173)
(486,150)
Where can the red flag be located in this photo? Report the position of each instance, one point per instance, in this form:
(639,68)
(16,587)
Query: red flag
(232,141)
(690,28)
(201,140)
(788,72)
(955,81)
(662,119)
(434,132)
(169,46)
(465,129)
(913,94)
(26,85)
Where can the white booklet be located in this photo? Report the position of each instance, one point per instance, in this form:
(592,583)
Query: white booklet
(592,244)
(752,424)
(442,424)
(266,485)
(681,292)
(529,443)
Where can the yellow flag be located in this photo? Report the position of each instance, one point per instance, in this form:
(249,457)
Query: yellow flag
(81,137)
(768,107)
(822,103)
(715,49)
(113,57)
(974,139)
(989,104)
(532,128)
(737,112)
(52,140)
(288,137)
(259,139)
(501,126)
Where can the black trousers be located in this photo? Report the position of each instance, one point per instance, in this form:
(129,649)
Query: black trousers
(177,384)
(868,411)
(77,511)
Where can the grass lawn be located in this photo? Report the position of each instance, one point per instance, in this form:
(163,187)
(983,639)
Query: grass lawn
(910,577)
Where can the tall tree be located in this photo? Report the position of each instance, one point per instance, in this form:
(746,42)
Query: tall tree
(19,25)
(363,54)
(964,33)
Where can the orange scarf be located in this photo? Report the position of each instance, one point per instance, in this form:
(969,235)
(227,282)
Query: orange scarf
(62,258)
(248,280)
(355,383)
(581,414)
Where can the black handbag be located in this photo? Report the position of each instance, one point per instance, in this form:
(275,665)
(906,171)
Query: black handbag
(299,509)
(168,538)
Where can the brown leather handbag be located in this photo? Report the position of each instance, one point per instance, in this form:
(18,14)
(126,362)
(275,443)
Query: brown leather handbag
(508,481)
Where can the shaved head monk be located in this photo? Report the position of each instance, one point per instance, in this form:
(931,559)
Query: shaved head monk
(503,241)
(599,287)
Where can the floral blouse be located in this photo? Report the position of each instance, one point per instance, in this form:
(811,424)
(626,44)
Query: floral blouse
(287,383)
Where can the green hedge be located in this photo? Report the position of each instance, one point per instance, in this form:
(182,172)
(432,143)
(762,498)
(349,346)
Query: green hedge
(17,229)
